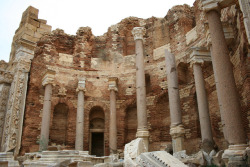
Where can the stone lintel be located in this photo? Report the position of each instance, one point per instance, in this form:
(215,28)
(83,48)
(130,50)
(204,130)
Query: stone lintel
(113,83)
(6,77)
(177,131)
(215,4)
(48,78)
(200,55)
(26,43)
(23,52)
(81,84)
(138,32)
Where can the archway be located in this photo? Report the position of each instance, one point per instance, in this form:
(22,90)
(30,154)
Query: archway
(96,128)
(58,131)
(130,124)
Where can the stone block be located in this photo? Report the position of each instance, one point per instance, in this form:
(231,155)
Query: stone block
(29,38)
(191,36)
(42,21)
(30,26)
(160,52)
(45,27)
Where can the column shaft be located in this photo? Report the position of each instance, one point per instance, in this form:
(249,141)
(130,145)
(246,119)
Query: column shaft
(205,124)
(113,126)
(173,90)
(44,139)
(225,83)
(80,122)
(140,87)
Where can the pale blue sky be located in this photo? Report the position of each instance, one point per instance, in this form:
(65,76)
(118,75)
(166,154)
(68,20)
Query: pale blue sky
(69,15)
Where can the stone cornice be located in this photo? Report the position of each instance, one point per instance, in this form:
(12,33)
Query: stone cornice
(113,83)
(48,78)
(138,32)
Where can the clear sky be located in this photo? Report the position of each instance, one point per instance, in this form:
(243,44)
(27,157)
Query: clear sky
(69,15)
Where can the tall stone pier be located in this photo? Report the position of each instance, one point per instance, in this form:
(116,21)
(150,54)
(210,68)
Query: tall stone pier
(198,57)
(48,80)
(226,88)
(142,130)
(80,115)
(176,129)
(113,124)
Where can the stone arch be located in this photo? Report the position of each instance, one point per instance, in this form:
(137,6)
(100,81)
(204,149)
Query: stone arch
(185,75)
(130,128)
(58,129)
(160,123)
(99,121)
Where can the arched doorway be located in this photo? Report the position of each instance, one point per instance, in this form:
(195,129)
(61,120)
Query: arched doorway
(130,124)
(58,131)
(96,127)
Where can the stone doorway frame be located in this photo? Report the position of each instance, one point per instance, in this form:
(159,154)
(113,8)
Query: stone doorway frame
(91,131)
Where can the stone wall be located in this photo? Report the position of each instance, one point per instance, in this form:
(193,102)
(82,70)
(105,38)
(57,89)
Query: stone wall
(113,55)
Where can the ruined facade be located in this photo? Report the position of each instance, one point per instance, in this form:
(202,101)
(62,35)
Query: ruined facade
(49,72)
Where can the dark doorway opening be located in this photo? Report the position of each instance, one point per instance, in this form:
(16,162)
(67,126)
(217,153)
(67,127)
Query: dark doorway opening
(97,145)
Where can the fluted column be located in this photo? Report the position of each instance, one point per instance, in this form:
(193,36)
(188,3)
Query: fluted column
(198,57)
(226,88)
(142,130)
(113,124)
(44,138)
(176,131)
(80,115)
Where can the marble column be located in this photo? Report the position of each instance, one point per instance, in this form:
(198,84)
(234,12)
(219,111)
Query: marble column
(113,124)
(226,88)
(176,130)
(44,138)
(80,115)
(142,130)
(198,57)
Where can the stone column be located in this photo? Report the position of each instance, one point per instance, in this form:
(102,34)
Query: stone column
(142,130)
(176,131)
(198,57)
(113,124)
(80,115)
(225,83)
(47,82)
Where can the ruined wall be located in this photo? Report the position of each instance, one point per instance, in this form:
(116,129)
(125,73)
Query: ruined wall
(113,55)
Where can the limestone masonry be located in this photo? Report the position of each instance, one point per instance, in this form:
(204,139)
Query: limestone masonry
(178,84)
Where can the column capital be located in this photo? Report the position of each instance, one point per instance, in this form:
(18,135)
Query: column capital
(113,83)
(48,78)
(138,32)
(199,55)
(81,84)
(209,5)
(6,77)
(177,131)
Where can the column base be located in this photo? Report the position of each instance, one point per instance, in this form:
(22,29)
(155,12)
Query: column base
(233,156)
(177,133)
(143,134)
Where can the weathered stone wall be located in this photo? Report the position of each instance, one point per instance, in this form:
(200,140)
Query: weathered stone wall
(113,55)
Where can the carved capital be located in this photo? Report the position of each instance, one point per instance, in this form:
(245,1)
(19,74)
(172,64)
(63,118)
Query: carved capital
(48,78)
(138,32)
(6,77)
(81,85)
(177,131)
(200,55)
(113,84)
(209,5)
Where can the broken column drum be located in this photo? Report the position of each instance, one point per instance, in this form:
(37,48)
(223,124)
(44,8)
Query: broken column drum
(44,138)
(176,130)
(142,130)
(80,115)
